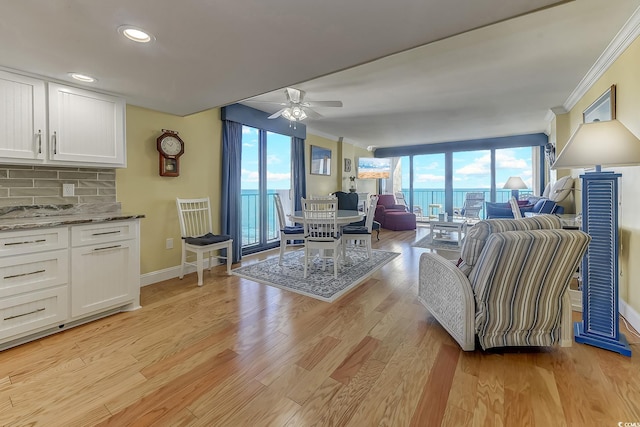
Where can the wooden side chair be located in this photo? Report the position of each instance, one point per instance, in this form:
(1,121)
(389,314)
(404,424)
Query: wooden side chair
(321,231)
(288,233)
(197,235)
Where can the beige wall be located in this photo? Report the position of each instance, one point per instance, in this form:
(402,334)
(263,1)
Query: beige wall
(140,188)
(623,73)
(318,185)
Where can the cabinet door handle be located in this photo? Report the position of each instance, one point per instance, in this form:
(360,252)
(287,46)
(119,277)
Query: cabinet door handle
(39,141)
(26,242)
(107,247)
(55,142)
(24,314)
(106,232)
(13,276)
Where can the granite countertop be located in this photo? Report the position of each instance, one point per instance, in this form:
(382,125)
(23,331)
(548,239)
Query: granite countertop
(42,216)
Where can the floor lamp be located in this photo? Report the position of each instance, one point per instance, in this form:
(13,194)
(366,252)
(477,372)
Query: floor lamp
(607,143)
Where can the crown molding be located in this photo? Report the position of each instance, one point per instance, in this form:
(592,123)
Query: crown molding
(556,111)
(627,34)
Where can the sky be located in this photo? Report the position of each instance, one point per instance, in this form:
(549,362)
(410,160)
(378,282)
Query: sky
(471,169)
(278,160)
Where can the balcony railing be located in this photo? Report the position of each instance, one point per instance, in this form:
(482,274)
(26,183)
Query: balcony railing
(250,216)
(423,197)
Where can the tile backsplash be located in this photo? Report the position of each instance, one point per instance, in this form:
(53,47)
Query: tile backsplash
(42,185)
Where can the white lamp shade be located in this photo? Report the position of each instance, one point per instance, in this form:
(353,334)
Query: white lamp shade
(607,143)
(515,183)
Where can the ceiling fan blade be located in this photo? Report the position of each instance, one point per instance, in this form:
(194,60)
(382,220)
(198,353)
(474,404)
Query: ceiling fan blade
(257,101)
(312,114)
(294,95)
(276,114)
(324,103)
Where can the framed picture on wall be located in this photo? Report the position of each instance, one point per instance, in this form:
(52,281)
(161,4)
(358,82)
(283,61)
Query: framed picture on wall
(603,108)
(320,161)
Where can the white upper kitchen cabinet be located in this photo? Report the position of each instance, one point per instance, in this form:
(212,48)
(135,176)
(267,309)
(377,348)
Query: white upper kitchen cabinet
(23,118)
(62,126)
(85,127)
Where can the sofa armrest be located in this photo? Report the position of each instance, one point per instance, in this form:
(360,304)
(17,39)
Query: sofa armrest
(446,293)
(400,207)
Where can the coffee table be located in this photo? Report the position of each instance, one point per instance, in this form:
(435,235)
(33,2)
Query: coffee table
(441,230)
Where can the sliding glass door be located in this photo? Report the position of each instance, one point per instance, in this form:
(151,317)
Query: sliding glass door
(471,174)
(266,170)
(423,183)
(444,179)
(514,162)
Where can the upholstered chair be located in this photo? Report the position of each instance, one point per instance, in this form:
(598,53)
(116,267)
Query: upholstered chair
(387,204)
(347,201)
(510,286)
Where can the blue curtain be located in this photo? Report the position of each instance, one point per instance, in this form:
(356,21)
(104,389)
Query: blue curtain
(299,175)
(231,202)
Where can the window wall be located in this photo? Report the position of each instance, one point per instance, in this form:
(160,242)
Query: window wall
(445,178)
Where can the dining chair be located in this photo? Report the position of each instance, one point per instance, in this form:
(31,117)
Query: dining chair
(197,235)
(287,232)
(360,233)
(321,231)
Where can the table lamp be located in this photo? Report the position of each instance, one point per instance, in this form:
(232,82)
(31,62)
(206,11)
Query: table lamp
(606,143)
(515,183)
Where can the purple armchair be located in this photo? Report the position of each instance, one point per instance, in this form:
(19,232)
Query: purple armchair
(392,215)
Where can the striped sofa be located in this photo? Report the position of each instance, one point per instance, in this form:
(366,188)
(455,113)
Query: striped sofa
(509,287)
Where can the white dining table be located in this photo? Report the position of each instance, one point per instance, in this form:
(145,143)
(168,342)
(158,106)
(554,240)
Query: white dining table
(344,216)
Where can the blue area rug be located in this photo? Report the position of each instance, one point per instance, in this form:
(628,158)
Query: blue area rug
(318,284)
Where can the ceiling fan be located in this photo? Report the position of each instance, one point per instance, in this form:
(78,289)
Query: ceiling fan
(296,108)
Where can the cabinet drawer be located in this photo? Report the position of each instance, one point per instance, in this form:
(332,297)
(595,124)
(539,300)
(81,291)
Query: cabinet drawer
(103,233)
(30,241)
(25,313)
(32,272)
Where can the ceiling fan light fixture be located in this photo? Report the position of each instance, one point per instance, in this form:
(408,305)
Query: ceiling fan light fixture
(294,114)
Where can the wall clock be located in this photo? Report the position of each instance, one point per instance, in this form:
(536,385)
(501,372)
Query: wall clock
(170,148)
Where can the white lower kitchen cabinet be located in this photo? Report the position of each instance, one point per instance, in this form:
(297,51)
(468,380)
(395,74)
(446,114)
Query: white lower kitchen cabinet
(101,276)
(52,279)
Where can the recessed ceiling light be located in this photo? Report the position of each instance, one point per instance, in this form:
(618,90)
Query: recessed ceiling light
(83,77)
(136,34)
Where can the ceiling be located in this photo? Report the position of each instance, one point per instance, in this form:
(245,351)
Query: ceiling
(447,83)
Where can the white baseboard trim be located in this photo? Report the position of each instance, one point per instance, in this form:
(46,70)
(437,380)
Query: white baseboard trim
(170,273)
(632,316)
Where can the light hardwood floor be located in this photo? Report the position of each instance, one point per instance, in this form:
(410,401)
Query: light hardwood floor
(238,353)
